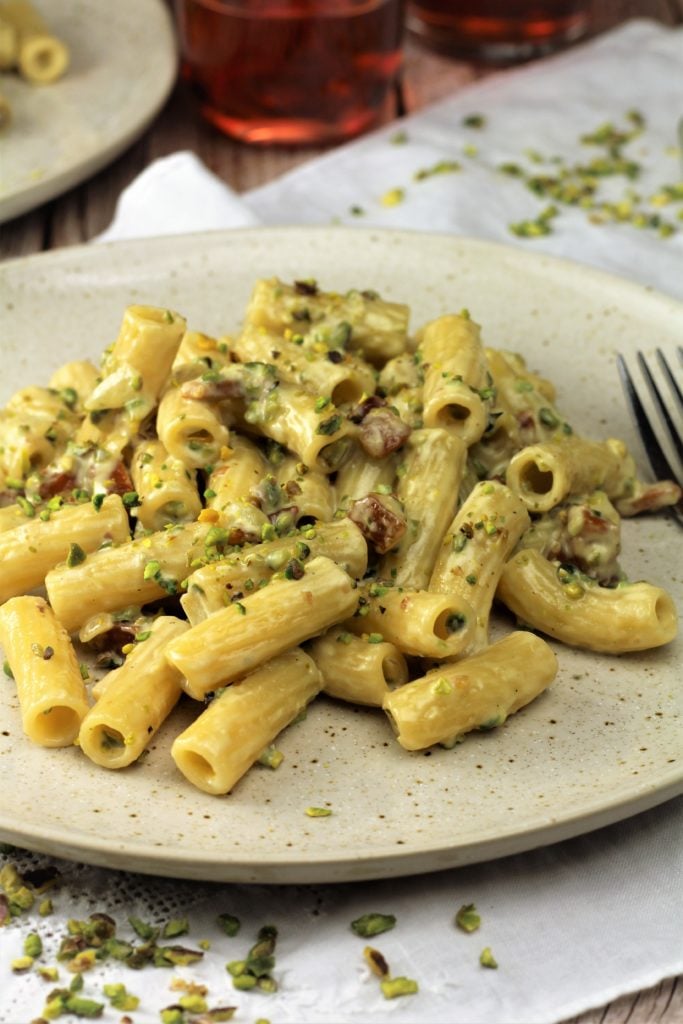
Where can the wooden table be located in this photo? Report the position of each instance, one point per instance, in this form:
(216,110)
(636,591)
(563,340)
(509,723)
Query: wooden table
(88,209)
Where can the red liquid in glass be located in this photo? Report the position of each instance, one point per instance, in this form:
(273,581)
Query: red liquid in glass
(291,71)
(498,29)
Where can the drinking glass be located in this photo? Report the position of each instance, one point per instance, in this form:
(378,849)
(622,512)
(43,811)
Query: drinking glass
(291,71)
(498,31)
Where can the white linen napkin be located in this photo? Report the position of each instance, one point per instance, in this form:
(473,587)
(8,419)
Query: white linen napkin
(571,926)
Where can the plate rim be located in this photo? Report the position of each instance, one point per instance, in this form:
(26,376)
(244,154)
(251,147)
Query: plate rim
(22,200)
(330,867)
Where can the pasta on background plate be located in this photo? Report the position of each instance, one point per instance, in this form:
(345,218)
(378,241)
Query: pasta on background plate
(325,502)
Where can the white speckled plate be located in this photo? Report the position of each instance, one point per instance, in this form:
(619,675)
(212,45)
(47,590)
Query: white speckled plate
(123,64)
(603,743)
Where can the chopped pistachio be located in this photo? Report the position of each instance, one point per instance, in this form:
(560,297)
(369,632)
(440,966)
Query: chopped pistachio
(375,638)
(474,121)
(467,918)
(318,812)
(33,945)
(193,1002)
(394,987)
(373,924)
(75,556)
(487,959)
(21,964)
(442,687)
(48,973)
(7,670)
(271,758)
(120,998)
(143,929)
(393,197)
(174,927)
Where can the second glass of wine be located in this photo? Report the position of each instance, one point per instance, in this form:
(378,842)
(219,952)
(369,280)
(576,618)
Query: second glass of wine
(498,31)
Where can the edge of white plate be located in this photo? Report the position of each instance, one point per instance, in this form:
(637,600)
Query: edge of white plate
(17,203)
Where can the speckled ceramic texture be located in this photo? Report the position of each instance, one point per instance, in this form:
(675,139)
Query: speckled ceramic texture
(603,743)
(123,64)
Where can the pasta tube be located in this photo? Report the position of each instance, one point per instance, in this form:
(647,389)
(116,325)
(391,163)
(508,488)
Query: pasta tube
(309,491)
(50,687)
(212,587)
(191,430)
(475,547)
(419,623)
(135,700)
(429,479)
(476,693)
(40,56)
(574,609)
(166,487)
(9,44)
(362,474)
(455,379)
(266,623)
(356,671)
(133,573)
(361,321)
(224,741)
(30,551)
(544,474)
(290,415)
(75,381)
(344,381)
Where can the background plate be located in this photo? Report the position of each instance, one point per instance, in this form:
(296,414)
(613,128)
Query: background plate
(602,744)
(123,64)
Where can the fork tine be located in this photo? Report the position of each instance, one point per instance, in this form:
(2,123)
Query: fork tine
(668,373)
(659,402)
(656,457)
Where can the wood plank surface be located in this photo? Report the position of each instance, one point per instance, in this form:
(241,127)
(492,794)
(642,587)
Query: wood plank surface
(427,76)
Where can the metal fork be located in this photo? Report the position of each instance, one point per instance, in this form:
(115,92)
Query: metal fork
(665,420)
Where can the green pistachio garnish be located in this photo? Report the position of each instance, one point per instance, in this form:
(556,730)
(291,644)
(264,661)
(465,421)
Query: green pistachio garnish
(467,918)
(394,987)
(21,964)
(318,812)
(75,556)
(120,998)
(271,758)
(33,945)
(176,926)
(229,924)
(373,924)
(487,959)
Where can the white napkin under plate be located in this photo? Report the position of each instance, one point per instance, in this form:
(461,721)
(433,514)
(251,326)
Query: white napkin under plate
(571,926)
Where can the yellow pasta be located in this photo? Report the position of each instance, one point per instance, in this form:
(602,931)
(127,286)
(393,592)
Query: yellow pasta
(29,551)
(135,700)
(424,624)
(40,656)
(455,380)
(475,548)
(571,607)
(213,586)
(261,626)
(355,670)
(479,692)
(222,744)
